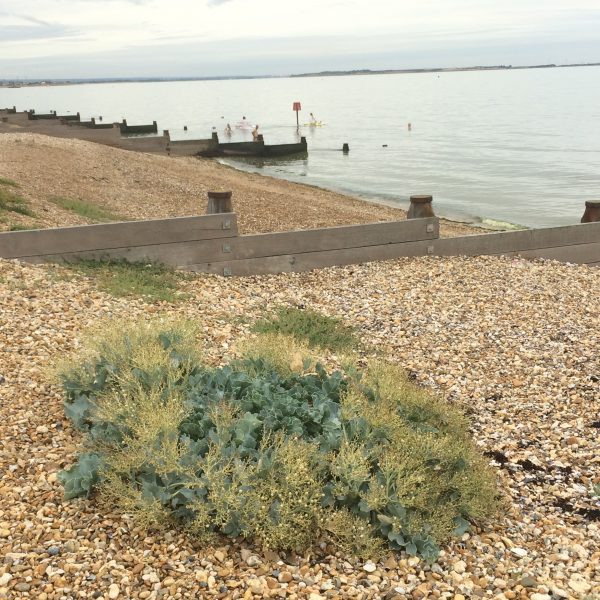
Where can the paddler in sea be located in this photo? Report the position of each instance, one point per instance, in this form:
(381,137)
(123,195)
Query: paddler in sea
(313,119)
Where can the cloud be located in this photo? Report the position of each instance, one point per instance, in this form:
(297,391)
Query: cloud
(26,28)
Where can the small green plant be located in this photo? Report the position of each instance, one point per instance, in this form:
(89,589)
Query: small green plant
(12,202)
(319,330)
(277,452)
(150,281)
(10,182)
(19,227)
(86,209)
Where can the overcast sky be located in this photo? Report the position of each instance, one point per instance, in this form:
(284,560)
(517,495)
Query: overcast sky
(146,38)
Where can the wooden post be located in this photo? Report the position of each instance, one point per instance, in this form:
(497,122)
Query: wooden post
(420,207)
(592,212)
(345,148)
(219,202)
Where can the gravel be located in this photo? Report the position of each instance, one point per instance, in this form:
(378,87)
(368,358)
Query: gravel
(513,342)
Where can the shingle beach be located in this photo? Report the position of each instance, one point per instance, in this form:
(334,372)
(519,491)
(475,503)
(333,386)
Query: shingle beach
(515,343)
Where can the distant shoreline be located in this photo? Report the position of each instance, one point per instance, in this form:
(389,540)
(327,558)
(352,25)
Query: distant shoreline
(18,83)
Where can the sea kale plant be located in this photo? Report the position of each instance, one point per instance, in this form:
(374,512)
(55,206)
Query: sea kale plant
(273,447)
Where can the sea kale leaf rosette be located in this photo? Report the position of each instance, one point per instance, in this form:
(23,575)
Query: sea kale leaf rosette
(273,447)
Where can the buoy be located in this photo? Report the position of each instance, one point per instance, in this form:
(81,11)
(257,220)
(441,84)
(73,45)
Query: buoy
(385,145)
(345,148)
(185,127)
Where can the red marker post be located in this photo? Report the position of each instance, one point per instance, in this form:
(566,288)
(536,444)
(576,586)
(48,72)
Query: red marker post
(297,108)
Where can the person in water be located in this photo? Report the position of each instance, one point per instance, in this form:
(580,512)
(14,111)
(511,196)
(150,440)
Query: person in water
(255,133)
(313,119)
(228,130)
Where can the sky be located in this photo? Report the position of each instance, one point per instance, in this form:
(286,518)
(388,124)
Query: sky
(211,38)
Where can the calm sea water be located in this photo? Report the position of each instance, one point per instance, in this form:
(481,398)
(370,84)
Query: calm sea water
(521,147)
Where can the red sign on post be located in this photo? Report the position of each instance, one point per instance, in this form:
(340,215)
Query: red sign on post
(297,106)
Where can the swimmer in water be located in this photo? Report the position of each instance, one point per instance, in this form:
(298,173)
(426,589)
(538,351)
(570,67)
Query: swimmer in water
(228,130)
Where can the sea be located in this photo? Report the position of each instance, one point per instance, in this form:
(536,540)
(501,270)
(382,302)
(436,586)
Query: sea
(497,148)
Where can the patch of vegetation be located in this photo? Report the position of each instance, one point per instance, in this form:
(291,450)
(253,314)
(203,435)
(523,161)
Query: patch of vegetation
(277,452)
(19,227)
(86,209)
(319,330)
(12,202)
(5,181)
(150,281)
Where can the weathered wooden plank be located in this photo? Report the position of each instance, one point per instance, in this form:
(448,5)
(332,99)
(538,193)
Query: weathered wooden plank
(176,254)
(512,241)
(333,238)
(145,144)
(579,253)
(85,238)
(314,260)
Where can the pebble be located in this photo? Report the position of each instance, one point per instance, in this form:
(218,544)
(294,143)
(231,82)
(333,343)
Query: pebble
(459,567)
(578,584)
(369,567)
(113,591)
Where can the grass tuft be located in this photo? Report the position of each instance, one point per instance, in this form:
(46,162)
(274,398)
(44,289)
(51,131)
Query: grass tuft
(86,209)
(150,281)
(19,227)
(316,329)
(5,181)
(11,202)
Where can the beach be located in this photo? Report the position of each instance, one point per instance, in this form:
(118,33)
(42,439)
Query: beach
(139,186)
(512,342)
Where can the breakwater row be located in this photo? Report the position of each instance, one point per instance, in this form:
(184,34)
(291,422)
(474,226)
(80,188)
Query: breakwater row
(137,137)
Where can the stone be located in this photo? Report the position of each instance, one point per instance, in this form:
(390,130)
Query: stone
(113,591)
(528,581)
(520,552)
(369,567)
(253,561)
(578,584)
(459,567)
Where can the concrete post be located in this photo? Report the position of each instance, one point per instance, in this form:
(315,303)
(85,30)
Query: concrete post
(592,212)
(420,207)
(219,202)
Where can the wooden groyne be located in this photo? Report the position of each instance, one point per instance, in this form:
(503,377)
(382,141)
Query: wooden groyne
(212,244)
(257,148)
(137,137)
(137,129)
